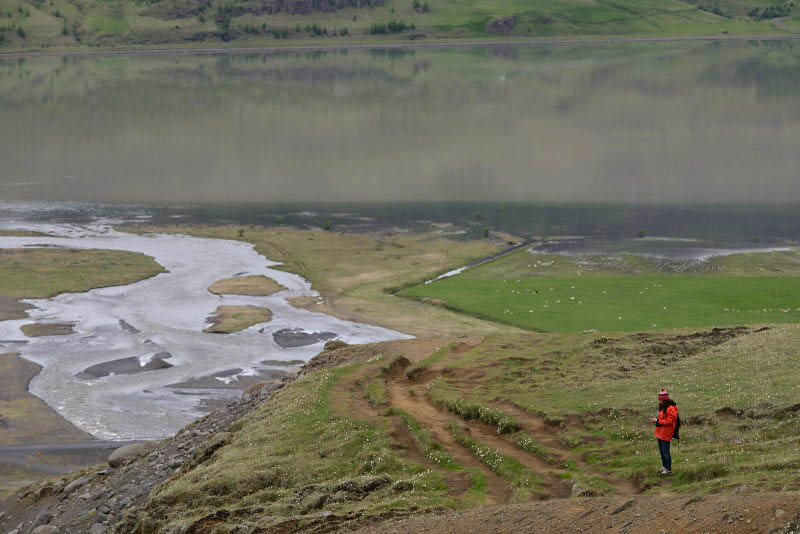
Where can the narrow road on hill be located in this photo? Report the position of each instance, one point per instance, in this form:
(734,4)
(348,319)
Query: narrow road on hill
(779,23)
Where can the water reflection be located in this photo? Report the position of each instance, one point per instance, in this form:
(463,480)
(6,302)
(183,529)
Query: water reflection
(641,123)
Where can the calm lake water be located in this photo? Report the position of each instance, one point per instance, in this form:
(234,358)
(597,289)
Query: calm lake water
(622,124)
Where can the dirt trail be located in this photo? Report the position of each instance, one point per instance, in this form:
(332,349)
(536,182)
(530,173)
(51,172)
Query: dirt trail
(410,395)
(436,422)
(765,513)
(536,426)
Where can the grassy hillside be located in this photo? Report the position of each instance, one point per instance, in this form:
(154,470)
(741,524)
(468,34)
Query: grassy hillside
(67,24)
(553,293)
(505,419)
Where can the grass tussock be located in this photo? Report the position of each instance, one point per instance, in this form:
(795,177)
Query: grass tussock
(516,474)
(529,444)
(426,445)
(470,410)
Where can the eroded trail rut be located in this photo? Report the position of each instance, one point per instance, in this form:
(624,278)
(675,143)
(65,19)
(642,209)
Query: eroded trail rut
(410,394)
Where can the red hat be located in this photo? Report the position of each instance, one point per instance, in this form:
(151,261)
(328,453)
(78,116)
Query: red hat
(663,395)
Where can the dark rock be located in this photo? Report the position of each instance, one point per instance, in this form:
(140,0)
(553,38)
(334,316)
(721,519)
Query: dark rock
(130,452)
(347,485)
(501,26)
(75,485)
(295,337)
(375,483)
(125,366)
(43,518)
(125,325)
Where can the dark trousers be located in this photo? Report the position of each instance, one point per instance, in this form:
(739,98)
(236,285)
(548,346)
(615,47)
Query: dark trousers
(666,458)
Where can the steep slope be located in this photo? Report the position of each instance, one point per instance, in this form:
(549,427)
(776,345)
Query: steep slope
(509,432)
(28,24)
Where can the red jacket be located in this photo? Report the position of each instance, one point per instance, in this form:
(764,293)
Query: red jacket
(666,423)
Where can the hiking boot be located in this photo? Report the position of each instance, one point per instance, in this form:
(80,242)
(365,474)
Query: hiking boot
(665,472)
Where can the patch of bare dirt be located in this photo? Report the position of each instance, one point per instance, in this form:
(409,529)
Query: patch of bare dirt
(766,513)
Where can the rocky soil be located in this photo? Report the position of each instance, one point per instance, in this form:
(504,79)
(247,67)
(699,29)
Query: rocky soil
(94,500)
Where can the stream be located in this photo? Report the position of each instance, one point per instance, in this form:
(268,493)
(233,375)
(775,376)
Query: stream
(164,314)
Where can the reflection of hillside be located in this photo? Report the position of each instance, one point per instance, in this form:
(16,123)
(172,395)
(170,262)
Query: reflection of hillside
(774,71)
(639,122)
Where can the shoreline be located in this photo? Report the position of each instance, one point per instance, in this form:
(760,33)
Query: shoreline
(398,44)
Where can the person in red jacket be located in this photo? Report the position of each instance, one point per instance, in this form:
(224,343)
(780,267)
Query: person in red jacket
(665,428)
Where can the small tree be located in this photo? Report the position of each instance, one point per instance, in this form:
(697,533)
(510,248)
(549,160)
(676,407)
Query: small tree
(21,32)
(327,224)
(642,234)
(240,233)
(485,231)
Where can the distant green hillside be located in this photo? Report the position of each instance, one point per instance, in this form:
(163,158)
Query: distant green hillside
(62,24)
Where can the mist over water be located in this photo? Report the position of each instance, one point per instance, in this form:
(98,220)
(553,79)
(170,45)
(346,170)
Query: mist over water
(655,123)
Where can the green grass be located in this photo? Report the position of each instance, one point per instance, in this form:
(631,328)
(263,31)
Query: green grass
(117,23)
(294,441)
(426,445)
(375,392)
(609,382)
(621,304)
(469,410)
(433,359)
(513,472)
(528,443)
(560,294)
(44,273)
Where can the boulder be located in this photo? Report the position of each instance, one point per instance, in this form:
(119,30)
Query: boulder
(75,485)
(45,529)
(127,453)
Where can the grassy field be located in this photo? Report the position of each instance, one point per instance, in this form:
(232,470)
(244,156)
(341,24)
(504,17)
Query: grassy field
(552,293)
(355,273)
(259,286)
(66,24)
(227,319)
(527,416)
(44,273)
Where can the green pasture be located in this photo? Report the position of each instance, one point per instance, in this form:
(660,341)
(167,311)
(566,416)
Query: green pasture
(617,304)
(553,293)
